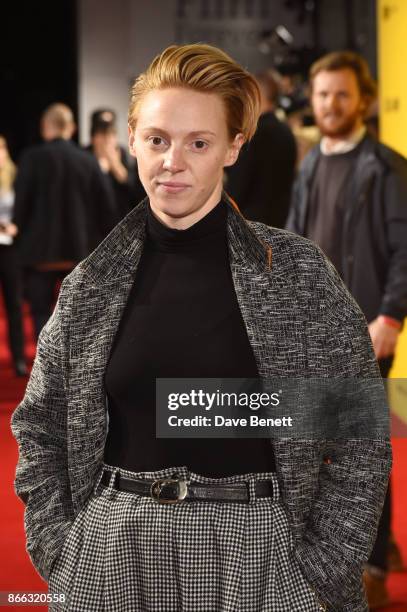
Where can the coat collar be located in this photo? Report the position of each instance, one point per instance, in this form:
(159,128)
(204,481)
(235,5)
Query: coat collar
(117,256)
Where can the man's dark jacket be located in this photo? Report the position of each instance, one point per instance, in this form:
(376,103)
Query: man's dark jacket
(374,234)
(64,205)
(262,178)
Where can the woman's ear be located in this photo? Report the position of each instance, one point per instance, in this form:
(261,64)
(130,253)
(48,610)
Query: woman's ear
(234,150)
(132,147)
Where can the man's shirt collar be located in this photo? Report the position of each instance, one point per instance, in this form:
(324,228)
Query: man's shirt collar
(343,146)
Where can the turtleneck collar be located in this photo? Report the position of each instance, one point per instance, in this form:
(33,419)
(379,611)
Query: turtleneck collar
(163,238)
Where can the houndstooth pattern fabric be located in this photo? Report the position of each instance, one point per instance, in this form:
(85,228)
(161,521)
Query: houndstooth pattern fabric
(301,322)
(127,552)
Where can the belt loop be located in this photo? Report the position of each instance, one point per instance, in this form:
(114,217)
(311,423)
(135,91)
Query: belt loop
(98,481)
(276,488)
(114,477)
(251,489)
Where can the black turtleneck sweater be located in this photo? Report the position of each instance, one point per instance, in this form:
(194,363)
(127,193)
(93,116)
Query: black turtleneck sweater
(182,319)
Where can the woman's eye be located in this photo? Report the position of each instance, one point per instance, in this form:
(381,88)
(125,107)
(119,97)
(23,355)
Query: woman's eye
(156,141)
(200,144)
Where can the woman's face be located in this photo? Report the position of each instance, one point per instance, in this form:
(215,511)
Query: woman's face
(181,144)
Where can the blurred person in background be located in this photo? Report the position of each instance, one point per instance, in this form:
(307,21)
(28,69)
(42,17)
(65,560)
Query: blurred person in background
(114,161)
(64,207)
(10,274)
(306,133)
(261,179)
(351,199)
(295,103)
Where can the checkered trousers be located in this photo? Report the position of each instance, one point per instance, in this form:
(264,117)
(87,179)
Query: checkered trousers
(129,553)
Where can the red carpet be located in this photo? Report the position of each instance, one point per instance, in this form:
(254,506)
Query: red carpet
(17,572)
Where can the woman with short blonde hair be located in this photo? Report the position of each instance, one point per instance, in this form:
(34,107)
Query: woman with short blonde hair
(185,288)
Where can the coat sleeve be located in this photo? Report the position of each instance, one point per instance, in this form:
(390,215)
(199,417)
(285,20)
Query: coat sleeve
(300,194)
(394,300)
(39,425)
(292,223)
(352,484)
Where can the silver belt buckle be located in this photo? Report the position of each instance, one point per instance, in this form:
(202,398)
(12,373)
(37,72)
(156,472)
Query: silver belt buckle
(157,490)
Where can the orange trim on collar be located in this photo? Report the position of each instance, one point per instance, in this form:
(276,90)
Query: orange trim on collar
(269,256)
(234,204)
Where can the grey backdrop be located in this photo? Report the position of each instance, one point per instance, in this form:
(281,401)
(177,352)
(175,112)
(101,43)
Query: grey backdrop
(118,38)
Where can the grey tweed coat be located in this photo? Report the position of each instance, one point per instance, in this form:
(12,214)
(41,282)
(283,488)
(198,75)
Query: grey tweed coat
(301,322)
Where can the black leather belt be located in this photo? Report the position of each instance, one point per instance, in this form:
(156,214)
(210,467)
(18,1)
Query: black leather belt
(174,490)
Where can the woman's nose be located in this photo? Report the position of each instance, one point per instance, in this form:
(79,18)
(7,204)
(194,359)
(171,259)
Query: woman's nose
(174,159)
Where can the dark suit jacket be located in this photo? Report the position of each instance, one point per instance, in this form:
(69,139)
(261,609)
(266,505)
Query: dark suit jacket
(64,205)
(261,179)
(301,322)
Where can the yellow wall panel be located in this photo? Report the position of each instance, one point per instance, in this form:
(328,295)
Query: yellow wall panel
(392,30)
(392,63)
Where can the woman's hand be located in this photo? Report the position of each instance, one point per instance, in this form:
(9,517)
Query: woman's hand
(108,154)
(10,229)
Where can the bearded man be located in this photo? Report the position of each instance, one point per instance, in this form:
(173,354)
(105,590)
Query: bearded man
(351,199)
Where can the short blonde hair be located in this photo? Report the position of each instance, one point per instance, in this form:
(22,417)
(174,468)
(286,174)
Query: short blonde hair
(205,69)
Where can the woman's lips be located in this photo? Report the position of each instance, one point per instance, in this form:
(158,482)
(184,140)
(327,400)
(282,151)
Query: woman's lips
(172,187)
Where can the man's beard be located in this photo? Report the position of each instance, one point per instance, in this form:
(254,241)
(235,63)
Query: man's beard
(343,129)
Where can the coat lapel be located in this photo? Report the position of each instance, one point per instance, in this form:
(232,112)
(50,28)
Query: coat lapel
(361,177)
(249,262)
(268,301)
(97,309)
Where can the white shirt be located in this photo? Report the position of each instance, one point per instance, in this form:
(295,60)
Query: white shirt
(343,146)
(6,209)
